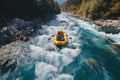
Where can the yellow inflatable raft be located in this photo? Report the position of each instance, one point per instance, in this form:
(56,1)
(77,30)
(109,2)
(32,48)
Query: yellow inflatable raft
(61,43)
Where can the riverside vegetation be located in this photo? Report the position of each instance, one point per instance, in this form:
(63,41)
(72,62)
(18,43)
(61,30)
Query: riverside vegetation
(105,13)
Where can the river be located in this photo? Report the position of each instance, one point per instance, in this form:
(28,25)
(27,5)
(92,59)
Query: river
(89,55)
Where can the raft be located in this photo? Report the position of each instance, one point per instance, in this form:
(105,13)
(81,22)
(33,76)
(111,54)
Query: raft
(60,43)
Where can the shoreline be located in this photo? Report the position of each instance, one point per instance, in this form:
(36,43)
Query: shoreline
(17,36)
(20,29)
(18,42)
(107,25)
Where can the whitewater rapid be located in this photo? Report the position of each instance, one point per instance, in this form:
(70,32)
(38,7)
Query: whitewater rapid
(54,59)
(83,58)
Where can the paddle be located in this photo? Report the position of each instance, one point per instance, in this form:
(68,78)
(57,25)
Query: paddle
(52,35)
(50,38)
(70,37)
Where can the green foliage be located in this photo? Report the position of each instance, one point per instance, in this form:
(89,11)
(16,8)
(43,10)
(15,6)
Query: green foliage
(93,9)
(115,8)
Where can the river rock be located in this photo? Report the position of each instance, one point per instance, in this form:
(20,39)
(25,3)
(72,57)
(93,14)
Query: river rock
(4,29)
(15,29)
(24,38)
(7,65)
(109,26)
(14,17)
(108,23)
(93,61)
(116,45)
(8,60)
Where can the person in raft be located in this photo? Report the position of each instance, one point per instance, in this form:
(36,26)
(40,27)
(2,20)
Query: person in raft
(60,36)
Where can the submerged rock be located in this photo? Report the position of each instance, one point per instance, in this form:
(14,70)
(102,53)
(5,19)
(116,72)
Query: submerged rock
(116,45)
(7,65)
(93,61)
(3,62)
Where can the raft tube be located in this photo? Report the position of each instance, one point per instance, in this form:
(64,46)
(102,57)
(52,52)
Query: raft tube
(60,43)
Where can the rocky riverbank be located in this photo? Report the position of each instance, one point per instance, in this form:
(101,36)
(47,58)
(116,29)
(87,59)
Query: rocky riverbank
(19,18)
(16,29)
(20,29)
(8,55)
(107,25)
(13,37)
(101,12)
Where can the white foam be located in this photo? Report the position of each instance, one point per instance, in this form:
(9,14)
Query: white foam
(58,60)
(65,77)
(41,40)
(53,58)
(71,53)
(94,28)
(36,51)
(45,71)
(114,37)
(50,47)
(49,59)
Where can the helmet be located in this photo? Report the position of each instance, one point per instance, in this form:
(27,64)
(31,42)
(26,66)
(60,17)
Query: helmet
(58,32)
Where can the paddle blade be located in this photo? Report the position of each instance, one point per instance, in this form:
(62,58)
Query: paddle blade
(70,37)
(49,38)
(52,35)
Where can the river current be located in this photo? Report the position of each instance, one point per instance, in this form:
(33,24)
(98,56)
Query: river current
(89,55)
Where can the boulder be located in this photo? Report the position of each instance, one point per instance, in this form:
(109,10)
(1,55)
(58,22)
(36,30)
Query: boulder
(18,12)
(93,61)
(3,62)
(24,38)
(4,29)
(116,45)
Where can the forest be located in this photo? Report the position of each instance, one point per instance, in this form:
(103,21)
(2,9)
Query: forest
(94,9)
